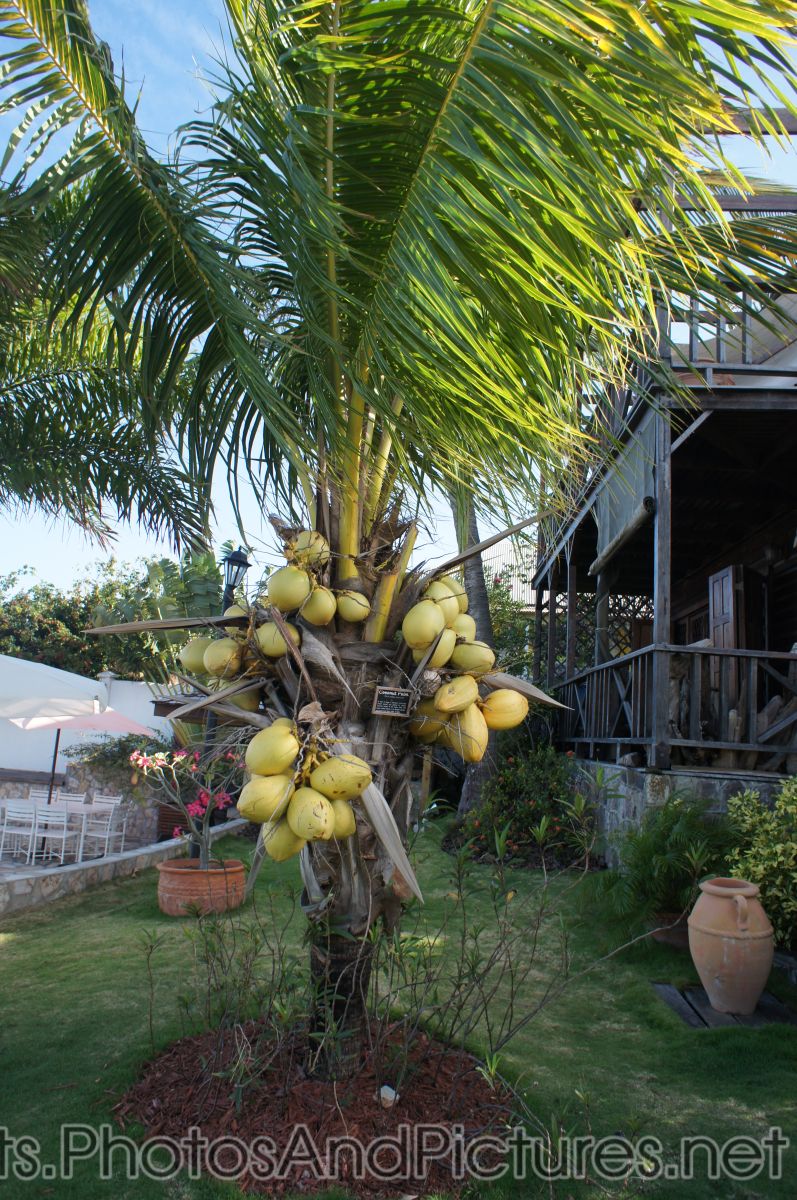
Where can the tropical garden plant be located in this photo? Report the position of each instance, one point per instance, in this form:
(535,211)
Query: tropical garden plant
(198,786)
(412,248)
(661,862)
(765,852)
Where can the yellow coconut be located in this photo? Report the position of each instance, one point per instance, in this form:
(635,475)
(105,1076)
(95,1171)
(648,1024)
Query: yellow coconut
(310,548)
(310,815)
(465,627)
(345,824)
(192,655)
(472,658)
(223,658)
(249,700)
(457,694)
(265,797)
(438,592)
(272,751)
(443,650)
(504,709)
(467,733)
(353,606)
(280,841)
(422,624)
(341,777)
(270,640)
(426,722)
(236,631)
(283,723)
(457,588)
(288,588)
(319,607)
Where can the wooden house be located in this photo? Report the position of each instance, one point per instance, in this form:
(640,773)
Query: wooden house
(666,598)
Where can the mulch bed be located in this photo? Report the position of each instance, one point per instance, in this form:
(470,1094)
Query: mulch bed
(190,1085)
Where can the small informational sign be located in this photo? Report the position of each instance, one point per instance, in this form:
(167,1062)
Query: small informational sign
(392,702)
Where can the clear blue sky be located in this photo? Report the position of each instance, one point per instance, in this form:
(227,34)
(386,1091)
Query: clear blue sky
(162,44)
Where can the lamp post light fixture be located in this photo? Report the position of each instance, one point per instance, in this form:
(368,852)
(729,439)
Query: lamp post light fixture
(235,564)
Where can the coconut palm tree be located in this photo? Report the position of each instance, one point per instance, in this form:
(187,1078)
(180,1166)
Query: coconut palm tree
(411,249)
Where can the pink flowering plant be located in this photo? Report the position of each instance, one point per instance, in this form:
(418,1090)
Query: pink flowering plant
(198,785)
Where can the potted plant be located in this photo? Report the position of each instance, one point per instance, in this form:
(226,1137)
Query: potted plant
(198,787)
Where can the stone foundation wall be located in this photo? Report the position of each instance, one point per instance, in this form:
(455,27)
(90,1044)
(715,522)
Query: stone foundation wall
(629,791)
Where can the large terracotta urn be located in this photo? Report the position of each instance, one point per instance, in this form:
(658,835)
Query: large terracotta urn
(731,943)
(184,887)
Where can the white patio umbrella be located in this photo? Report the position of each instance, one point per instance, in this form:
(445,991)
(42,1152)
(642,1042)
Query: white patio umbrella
(29,690)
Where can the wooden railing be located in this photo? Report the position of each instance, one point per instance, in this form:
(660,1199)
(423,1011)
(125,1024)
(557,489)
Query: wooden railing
(732,709)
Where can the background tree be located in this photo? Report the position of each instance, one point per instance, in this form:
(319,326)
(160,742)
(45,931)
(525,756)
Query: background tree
(48,624)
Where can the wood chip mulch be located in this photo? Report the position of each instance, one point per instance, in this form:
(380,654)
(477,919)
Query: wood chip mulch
(192,1084)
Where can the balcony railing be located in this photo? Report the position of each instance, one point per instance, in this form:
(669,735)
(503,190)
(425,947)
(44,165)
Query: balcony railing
(732,709)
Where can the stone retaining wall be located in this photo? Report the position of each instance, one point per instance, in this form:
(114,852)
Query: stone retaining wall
(24,889)
(142,812)
(628,791)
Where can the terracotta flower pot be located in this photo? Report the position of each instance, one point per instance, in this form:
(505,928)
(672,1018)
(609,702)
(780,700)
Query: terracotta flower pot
(731,943)
(184,887)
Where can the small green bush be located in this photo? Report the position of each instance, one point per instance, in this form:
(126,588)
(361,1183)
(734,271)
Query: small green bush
(661,862)
(535,803)
(766,854)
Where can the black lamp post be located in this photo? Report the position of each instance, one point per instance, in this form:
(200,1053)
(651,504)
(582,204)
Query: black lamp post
(235,564)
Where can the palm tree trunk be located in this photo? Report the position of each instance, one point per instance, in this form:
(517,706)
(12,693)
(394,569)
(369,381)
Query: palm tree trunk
(477,774)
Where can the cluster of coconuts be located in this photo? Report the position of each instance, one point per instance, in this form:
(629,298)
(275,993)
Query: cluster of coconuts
(297,804)
(457,717)
(293,589)
(223,660)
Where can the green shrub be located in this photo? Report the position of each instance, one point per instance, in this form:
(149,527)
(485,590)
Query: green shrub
(661,862)
(535,804)
(766,854)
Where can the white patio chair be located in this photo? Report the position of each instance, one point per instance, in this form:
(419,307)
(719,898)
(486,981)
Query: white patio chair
(71,797)
(104,829)
(117,805)
(52,827)
(17,827)
(38,795)
(78,814)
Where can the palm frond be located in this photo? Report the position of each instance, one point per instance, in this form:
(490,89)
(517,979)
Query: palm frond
(506,201)
(138,242)
(73,442)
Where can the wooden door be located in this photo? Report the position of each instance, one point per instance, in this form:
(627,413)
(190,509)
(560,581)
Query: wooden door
(726,631)
(725,608)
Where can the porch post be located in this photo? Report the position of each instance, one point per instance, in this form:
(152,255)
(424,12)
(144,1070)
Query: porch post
(553,583)
(603,592)
(662,540)
(537,666)
(572,594)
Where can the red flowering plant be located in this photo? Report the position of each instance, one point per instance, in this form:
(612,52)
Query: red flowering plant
(197,784)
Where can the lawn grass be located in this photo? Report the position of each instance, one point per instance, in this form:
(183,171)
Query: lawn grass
(606,1055)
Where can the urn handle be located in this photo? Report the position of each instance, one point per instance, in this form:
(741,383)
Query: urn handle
(741,912)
